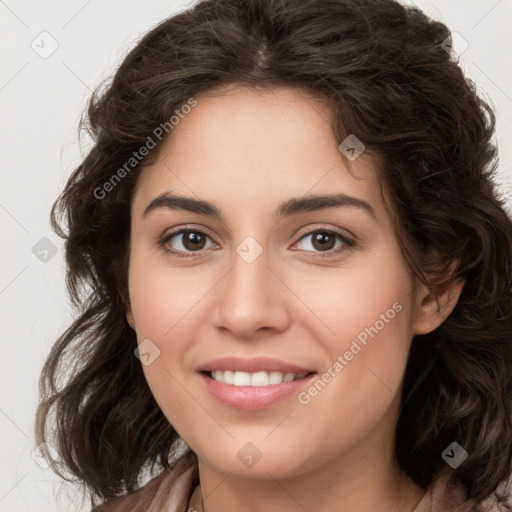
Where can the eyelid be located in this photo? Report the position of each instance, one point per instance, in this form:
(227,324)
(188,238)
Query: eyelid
(313,228)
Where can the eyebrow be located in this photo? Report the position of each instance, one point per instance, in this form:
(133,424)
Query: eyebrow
(292,206)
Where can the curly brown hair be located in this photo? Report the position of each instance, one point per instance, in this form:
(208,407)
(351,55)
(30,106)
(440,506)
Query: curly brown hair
(385,71)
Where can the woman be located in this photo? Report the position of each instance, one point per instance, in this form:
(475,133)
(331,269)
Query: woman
(292,269)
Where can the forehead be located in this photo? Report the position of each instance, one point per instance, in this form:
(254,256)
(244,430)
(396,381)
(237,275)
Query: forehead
(239,146)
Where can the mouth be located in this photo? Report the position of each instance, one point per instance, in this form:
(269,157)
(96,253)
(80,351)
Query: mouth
(255,379)
(253,391)
(251,384)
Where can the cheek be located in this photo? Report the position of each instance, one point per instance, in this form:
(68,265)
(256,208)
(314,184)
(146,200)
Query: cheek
(370,316)
(163,303)
(162,298)
(374,288)
(166,303)
(366,323)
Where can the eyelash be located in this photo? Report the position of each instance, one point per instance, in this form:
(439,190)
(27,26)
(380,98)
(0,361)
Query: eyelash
(348,242)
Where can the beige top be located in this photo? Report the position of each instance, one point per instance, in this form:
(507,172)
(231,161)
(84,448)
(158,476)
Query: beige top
(170,491)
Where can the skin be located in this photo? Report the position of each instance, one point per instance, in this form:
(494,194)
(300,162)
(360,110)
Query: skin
(246,152)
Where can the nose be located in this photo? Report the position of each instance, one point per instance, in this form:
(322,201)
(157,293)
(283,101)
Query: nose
(251,298)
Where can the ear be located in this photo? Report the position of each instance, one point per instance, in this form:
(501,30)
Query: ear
(430,314)
(129,317)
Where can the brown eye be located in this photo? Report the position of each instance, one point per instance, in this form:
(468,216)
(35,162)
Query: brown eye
(325,241)
(185,241)
(193,241)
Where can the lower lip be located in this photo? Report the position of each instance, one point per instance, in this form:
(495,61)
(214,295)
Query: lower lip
(251,398)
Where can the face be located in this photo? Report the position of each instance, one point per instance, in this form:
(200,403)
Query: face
(270,280)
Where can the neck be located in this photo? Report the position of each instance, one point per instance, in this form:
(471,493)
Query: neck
(348,483)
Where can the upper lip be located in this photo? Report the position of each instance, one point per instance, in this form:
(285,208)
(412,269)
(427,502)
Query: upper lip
(257,364)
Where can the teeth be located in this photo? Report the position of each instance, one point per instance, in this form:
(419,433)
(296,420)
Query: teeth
(254,379)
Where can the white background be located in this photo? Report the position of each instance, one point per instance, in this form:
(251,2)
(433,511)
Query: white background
(41,102)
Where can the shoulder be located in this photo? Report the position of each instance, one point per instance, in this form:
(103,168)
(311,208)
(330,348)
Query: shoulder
(169,491)
(445,494)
